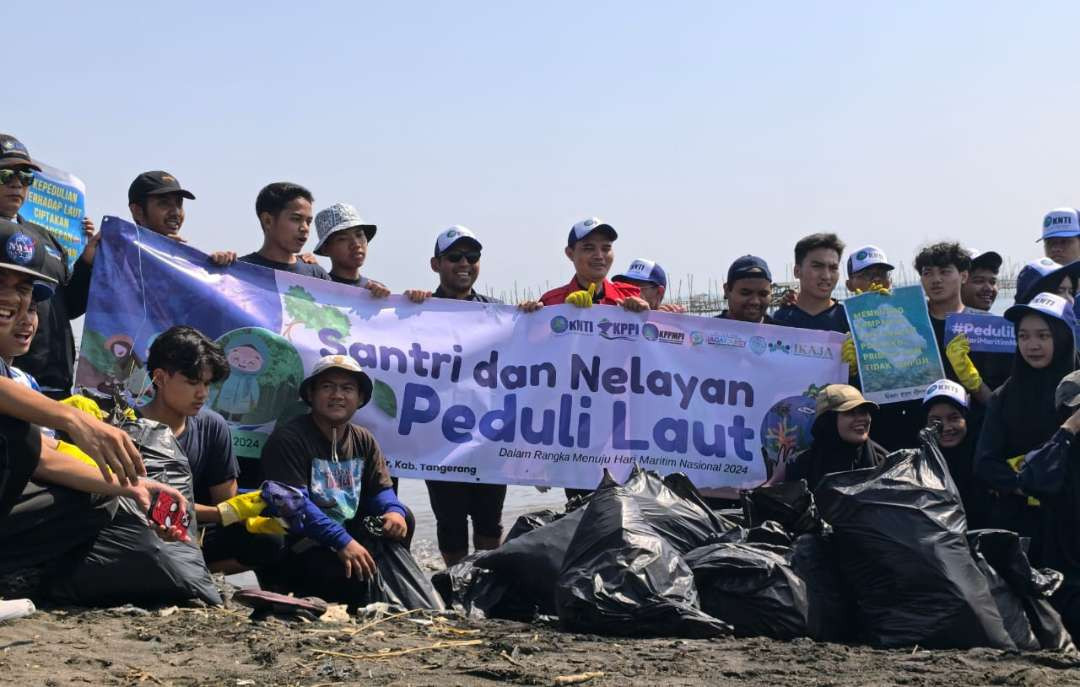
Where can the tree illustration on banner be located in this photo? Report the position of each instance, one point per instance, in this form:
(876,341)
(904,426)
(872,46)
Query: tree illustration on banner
(302,309)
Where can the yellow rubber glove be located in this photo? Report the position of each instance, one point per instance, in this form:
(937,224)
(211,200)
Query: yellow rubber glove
(874,288)
(261,525)
(75,451)
(847,354)
(86,405)
(582,299)
(1017,463)
(241,507)
(958,352)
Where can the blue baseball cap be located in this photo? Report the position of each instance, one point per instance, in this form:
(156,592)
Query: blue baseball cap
(1047,304)
(588,226)
(1060,222)
(643,270)
(1043,275)
(748,267)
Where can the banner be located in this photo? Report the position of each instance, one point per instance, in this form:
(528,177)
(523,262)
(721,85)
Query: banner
(57,201)
(985,332)
(895,346)
(468,391)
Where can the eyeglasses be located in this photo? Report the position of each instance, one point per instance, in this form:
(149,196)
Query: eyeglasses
(473,256)
(26,176)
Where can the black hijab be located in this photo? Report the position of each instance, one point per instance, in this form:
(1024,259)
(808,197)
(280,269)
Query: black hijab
(1027,397)
(829,453)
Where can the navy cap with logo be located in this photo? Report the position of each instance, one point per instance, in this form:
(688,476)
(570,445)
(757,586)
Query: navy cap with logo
(453,236)
(1043,275)
(588,226)
(641,270)
(748,267)
(1048,304)
(20,252)
(14,154)
(155,183)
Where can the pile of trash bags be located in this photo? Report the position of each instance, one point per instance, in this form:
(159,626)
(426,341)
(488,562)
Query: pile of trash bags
(879,556)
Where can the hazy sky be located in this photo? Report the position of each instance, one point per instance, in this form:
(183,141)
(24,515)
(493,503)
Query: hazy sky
(701,131)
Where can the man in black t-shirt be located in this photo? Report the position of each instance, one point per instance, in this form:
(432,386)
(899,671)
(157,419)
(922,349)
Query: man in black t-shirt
(345,473)
(457,262)
(817,267)
(285,215)
(748,291)
(344,237)
(183,364)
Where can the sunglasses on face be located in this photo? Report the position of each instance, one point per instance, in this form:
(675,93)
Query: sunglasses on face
(26,176)
(472,256)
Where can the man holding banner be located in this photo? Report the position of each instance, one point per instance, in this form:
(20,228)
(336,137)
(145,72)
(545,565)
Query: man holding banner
(51,359)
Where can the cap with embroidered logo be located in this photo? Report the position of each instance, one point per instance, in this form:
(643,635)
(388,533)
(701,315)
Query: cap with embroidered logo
(588,226)
(1048,304)
(20,252)
(641,270)
(864,257)
(155,183)
(946,389)
(14,154)
(1043,275)
(454,235)
(1062,222)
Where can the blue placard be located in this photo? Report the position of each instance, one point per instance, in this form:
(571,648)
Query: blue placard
(985,332)
(57,201)
(895,345)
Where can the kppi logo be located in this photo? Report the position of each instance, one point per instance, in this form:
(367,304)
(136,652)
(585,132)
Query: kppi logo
(651,332)
(562,325)
(626,331)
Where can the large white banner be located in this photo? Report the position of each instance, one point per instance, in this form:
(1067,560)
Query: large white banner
(472,392)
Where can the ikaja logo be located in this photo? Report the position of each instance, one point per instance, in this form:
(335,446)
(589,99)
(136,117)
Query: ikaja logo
(819,351)
(627,331)
(651,332)
(562,325)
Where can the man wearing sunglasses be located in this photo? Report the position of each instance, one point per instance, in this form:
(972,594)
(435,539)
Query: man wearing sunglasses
(457,262)
(51,359)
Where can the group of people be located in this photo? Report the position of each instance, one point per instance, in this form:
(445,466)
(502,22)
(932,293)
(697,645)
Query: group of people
(1006,423)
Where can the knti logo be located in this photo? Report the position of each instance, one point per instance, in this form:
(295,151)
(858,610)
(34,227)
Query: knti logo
(653,333)
(562,325)
(627,331)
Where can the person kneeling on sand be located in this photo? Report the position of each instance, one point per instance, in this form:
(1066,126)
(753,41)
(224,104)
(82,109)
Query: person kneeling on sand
(345,473)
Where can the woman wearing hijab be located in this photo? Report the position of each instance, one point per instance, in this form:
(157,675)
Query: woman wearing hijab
(841,438)
(947,406)
(1052,473)
(1021,414)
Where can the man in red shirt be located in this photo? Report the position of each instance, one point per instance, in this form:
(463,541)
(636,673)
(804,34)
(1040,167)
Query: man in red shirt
(590,248)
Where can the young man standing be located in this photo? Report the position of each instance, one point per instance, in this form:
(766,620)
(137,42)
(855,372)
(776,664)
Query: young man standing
(51,358)
(981,289)
(868,268)
(285,215)
(651,280)
(748,291)
(590,247)
(344,237)
(817,267)
(156,202)
(457,262)
(345,473)
(183,364)
(1061,235)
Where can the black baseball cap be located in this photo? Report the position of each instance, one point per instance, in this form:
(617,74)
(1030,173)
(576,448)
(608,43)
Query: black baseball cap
(21,252)
(14,154)
(155,183)
(987,259)
(748,267)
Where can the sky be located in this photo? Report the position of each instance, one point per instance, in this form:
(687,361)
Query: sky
(701,131)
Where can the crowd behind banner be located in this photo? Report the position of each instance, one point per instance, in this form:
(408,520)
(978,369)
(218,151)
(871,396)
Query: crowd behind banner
(320,512)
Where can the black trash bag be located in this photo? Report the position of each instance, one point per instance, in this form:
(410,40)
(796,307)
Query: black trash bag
(789,503)
(128,563)
(532,521)
(1010,606)
(831,610)
(768,532)
(753,588)
(399,581)
(735,516)
(676,514)
(533,561)
(477,592)
(899,534)
(620,577)
(1005,552)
